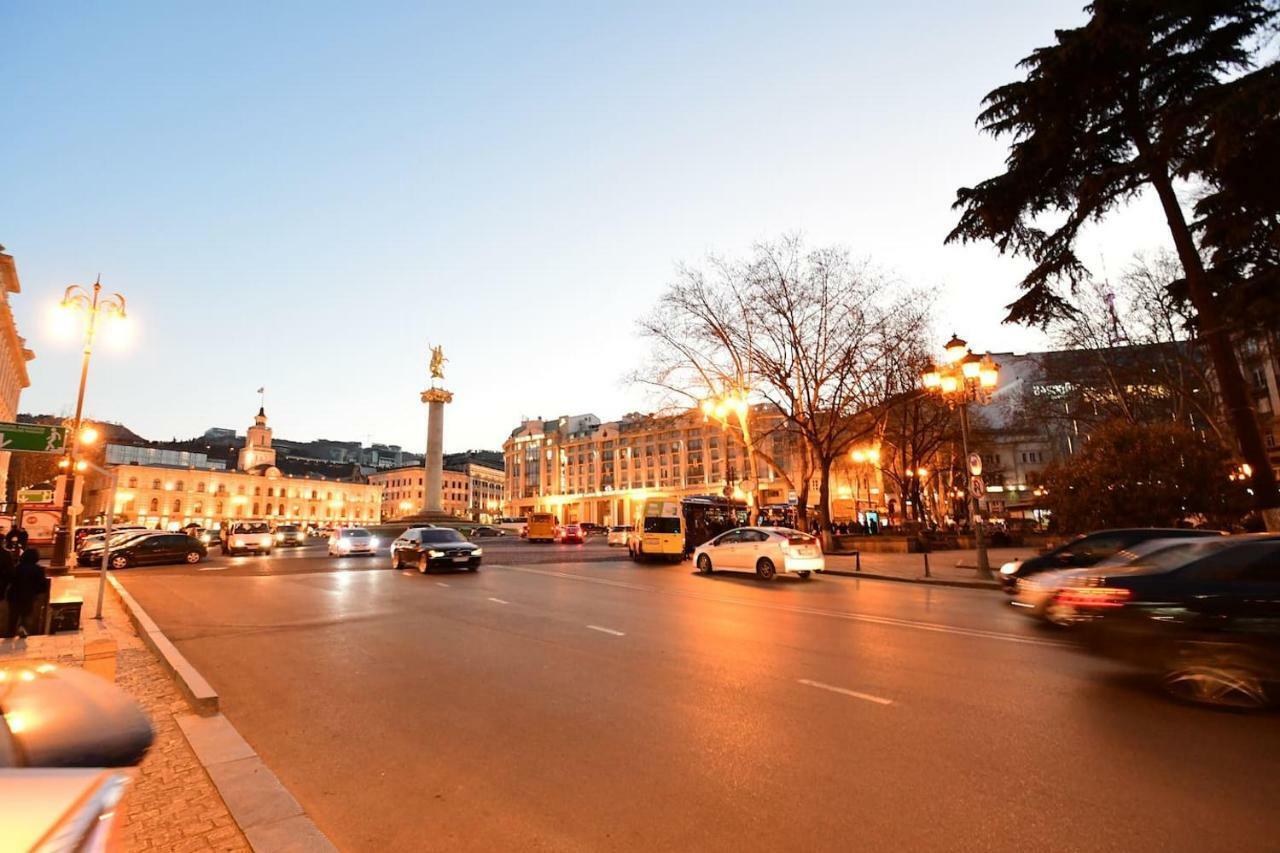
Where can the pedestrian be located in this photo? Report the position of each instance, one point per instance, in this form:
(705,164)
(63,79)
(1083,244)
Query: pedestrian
(25,587)
(16,539)
(6,572)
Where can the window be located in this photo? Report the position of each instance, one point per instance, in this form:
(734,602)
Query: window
(155,484)
(200,487)
(257,490)
(269,506)
(179,486)
(255,507)
(197,507)
(218,508)
(155,504)
(177,505)
(133,482)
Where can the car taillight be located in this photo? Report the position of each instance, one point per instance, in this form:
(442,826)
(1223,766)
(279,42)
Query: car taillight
(1092,596)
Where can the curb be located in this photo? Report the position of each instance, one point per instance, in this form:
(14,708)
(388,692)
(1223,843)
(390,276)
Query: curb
(917,580)
(270,818)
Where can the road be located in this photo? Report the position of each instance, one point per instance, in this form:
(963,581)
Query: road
(563,698)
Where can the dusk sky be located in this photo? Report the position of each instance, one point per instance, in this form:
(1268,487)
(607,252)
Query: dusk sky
(302,196)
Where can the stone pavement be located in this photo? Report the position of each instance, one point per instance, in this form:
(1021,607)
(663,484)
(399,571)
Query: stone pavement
(172,805)
(947,568)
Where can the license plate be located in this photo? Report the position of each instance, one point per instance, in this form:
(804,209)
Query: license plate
(461,559)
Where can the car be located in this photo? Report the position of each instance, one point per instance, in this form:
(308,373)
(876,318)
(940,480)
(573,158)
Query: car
(1204,617)
(618,535)
(349,541)
(91,552)
(571,533)
(93,536)
(290,535)
(765,550)
(211,537)
(487,531)
(427,548)
(1035,594)
(248,536)
(590,527)
(1088,550)
(157,549)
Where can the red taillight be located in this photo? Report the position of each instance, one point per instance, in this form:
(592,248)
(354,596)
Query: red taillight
(1092,596)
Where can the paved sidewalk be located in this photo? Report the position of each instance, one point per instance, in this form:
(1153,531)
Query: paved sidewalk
(173,805)
(946,568)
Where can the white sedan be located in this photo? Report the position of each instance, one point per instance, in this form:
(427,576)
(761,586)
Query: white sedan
(618,535)
(351,540)
(764,550)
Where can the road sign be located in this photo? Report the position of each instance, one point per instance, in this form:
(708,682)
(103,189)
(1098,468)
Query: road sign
(35,496)
(34,438)
(977,488)
(975,464)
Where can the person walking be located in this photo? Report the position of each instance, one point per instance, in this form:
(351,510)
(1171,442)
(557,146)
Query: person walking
(26,585)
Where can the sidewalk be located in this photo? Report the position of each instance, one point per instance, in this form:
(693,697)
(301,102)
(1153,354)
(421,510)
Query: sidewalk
(946,568)
(172,805)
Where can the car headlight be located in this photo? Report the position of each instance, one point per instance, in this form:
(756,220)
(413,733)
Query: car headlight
(476,552)
(435,554)
(1010,567)
(373,541)
(237,543)
(279,537)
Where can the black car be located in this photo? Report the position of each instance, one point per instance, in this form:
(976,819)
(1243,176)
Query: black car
(156,549)
(1204,616)
(91,553)
(1089,550)
(434,547)
(486,530)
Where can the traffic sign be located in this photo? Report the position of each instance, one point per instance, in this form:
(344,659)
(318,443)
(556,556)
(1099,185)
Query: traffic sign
(34,438)
(975,464)
(977,488)
(35,496)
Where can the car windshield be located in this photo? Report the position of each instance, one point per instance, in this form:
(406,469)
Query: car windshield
(355,533)
(1180,554)
(442,534)
(288,528)
(251,527)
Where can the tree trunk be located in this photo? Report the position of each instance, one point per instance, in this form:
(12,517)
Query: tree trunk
(1222,354)
(824,502)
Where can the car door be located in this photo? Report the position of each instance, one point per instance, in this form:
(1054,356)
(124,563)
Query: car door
(751,547)
(150,550)
(411,546)
(725,553)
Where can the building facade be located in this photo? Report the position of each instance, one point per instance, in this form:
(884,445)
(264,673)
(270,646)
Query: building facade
(172,496)
(473,493)
(14,356)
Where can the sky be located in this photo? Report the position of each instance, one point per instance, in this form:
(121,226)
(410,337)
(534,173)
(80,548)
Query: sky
(303,196)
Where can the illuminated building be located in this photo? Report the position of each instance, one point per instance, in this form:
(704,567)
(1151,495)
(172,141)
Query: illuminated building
(14,356)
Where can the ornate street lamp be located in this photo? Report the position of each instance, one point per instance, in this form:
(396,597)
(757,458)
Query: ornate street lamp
(962,379)
(735,403)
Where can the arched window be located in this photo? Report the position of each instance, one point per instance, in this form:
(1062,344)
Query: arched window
(155,484)
(133,482)
(255,508)
(257,491)
(218,507)
(269,508)
(155,504)
(313,494)
(197,507)
(200,487)
(177,504)
(271,493)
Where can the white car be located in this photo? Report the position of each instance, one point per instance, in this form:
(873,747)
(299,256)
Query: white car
(249,536)
(764,550)
(351,540)
(618,535)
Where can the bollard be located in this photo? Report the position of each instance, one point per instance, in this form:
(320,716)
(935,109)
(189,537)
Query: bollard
(926,562)
(857,561)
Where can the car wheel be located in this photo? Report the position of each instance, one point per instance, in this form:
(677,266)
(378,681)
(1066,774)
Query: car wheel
(1219,686)
(396,562)
(193,557)
(120,562)
(704,564)
(423,564)
(765,570)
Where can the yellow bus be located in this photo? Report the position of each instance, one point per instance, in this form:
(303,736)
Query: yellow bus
(670,528)
(541,527)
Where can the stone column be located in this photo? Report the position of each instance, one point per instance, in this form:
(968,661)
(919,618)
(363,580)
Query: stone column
(433,499)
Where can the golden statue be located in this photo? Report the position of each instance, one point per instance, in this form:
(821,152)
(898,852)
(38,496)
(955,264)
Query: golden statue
(437,362)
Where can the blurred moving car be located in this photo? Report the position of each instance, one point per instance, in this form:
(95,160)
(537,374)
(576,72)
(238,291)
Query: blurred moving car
(618,535)
(290,535)
(157,549)
(248,536)
(1205,617)
(589,527)
(427,548)
(766,550)
(1090,549)
(346,541)
(63,809)
(571,533)
(210,537)
(487,531)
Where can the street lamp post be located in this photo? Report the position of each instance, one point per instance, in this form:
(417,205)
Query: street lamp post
(91,304)
(961,379)
(868,456)
(735,403)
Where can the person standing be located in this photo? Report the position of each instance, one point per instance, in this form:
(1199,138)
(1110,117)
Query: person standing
(25,587)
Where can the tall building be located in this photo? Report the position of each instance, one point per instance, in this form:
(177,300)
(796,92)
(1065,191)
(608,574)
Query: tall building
(172,496)
(14,356)
(469,490)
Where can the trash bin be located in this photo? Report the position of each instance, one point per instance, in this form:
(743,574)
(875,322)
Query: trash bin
(63,615)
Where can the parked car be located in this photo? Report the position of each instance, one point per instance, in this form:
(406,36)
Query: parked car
(764,550)
(571,533)
(248,536)
(1035,594)
(485,530)
(290,535)
(91,552)
(618,535)
(589,528)
(426,548)
(156,549)
(1205,617)
(348,541)
(211,537)
(1090,549)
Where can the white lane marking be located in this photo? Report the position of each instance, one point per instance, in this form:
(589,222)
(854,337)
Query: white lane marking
(977,633)
(879,700)
(607,631)
(213,569)
(498,600)
(441,583)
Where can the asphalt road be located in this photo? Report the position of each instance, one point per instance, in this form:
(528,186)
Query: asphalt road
(563,698)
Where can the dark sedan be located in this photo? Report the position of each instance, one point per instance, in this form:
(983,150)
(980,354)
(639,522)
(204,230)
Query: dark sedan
(290,535)
(157,549)
(1089,550)
(434,547)
(1204,616)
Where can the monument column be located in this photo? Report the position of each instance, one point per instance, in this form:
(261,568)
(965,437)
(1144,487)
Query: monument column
(433,500)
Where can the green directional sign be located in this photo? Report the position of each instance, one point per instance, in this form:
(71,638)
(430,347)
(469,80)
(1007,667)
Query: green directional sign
(33,437)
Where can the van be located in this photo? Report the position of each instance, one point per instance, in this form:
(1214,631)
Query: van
(542,527)
(670,528)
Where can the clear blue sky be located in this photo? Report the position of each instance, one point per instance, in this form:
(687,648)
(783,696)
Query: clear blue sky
(302,195)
